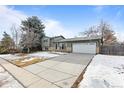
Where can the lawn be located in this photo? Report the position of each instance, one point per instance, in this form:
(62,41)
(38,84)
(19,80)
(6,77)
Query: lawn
(104,72)
(27,61)
(22,59)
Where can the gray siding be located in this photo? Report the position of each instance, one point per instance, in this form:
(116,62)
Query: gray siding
(49,43)
(53,44)
(45,43)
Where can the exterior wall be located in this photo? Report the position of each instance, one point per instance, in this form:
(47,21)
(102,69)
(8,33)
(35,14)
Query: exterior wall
(48,43)
(53,44)
(45,43)
(99,43)
(63,47)
(68,46)
(97,50)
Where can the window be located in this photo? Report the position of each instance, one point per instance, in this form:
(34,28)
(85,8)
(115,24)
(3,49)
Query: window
(56,46)
(46,40)
(62,46)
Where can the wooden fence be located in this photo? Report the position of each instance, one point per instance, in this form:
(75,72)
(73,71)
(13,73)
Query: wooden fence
(112,49)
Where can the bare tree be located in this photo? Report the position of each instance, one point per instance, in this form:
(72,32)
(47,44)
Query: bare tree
(15,34)
(29,39)
(104,30)
(107,33)
(92,31)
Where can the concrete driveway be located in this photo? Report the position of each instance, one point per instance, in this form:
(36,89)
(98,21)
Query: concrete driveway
(74,58)
(61,71)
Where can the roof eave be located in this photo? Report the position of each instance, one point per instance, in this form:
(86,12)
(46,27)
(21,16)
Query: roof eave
(77,40)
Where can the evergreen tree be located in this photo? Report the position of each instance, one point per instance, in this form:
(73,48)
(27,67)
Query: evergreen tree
(33,32)
(6,43)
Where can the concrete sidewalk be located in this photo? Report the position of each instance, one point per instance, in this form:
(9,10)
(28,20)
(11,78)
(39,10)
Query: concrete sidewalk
(26,78)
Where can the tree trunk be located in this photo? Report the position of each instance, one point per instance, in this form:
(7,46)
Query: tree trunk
(28,50)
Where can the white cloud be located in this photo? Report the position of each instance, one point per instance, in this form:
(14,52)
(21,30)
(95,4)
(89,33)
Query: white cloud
(120,36)
(55,28)
(118,14)
(8,17)
(118,28)
(119,33)
(99,8)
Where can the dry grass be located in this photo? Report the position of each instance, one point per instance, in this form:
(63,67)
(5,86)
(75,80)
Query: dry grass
(20,62)
(22,54)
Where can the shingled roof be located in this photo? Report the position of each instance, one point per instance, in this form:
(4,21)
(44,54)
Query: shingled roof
(80,39)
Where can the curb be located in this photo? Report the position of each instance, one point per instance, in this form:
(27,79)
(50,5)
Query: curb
(80,78)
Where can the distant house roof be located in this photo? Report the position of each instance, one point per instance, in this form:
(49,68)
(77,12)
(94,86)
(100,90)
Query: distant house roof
(58,36)
(80,39)
(46,37)
(55,37)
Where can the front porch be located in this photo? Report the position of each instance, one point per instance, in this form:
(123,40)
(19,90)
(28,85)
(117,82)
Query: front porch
(62,47)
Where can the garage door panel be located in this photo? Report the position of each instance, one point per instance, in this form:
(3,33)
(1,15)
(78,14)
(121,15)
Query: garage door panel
(84,48)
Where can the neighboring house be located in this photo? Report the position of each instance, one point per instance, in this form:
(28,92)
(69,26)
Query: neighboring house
(48,43)
(79,45)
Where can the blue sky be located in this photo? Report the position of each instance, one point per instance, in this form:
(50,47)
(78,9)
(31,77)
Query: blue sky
(71,14)
(72,19)
(75,15)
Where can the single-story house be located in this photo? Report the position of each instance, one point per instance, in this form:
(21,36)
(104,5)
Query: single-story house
(75,45)
(79,45)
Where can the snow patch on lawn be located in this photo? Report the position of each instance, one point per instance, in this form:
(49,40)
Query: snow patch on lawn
(26,60)
(60,53)
(43,54)
(36,54)
(9,56)
(104,72)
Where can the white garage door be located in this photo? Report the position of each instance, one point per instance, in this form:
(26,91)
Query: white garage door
(84,48)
